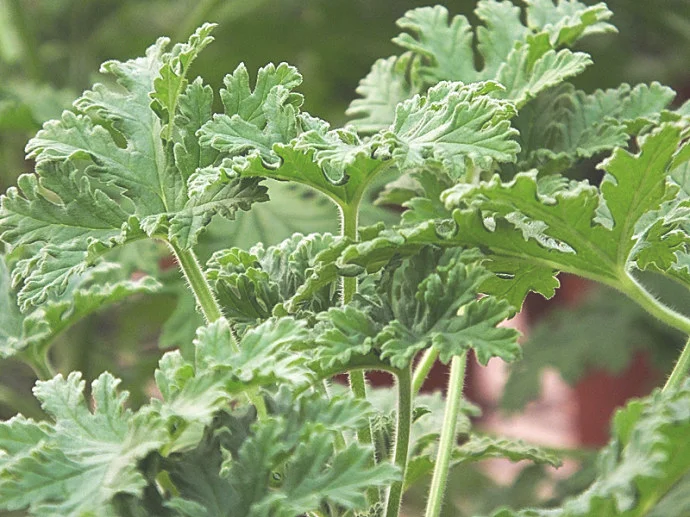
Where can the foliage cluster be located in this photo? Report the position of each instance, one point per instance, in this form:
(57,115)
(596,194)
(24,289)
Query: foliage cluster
(478,127)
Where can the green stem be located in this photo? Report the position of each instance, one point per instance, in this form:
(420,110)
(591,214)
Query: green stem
(209,305)
(40,364)
(423,369)
(680,371)
(349,220)
(402,440)
(635,290)
(198,284)
(448,436)
(631,287)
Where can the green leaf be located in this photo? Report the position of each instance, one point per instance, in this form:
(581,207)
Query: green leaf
(441,310)
(564,125)
(427,300)
(283,465)
(567,21)
(252,285)
(106,175)
(384,87)
(452,122)
(81,461)
(580,229)
(524,58)
(647,455)
(256,120)
(221,371)
(172,76)
(478,448)
(31,334)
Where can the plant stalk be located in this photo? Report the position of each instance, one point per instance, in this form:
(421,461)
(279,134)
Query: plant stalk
(448,436)
(198,284)
(402,440)
(631,287)
(680,370)
(349,221)
(209,305)
(423,369)
(40,363)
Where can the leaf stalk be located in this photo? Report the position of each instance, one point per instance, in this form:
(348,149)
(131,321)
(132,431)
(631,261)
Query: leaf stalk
(402,440)
(448,436)
(196,280)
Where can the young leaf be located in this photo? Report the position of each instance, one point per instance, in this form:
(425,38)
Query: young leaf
(32,333)
(525,59)
(429,300)
(284,465)
(108,174)
(78,464)
(299,272)
(451,123)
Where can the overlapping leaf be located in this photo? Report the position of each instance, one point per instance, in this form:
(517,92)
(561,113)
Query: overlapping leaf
(564,125)
(451,123)
(193,390)
(428,300)
(284,465)
(78,463)
(524,58)
(581,229)
(30,334)
(114,171)
(253,285)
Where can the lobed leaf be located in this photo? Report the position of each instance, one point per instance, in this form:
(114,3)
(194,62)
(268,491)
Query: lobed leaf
(109,173)
(78,463)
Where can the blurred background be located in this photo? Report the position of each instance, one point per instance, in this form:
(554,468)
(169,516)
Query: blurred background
(578,365)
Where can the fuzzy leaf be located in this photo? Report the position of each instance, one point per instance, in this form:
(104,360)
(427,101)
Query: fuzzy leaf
(284,465)
(252,285)
(81,461)
(524,58)
(584,230)
(452,123)
(564,125)
(428,300)
(32,333)
(107,174)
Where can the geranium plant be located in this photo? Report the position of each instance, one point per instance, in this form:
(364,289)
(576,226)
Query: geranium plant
(245,421)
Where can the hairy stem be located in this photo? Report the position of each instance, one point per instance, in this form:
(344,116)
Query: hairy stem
(635,290)
(209,305)
(448,436)
(349,221)
(631,287)
(198,284)
(348,228)
(402,440)
(423,368)
(681,370)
